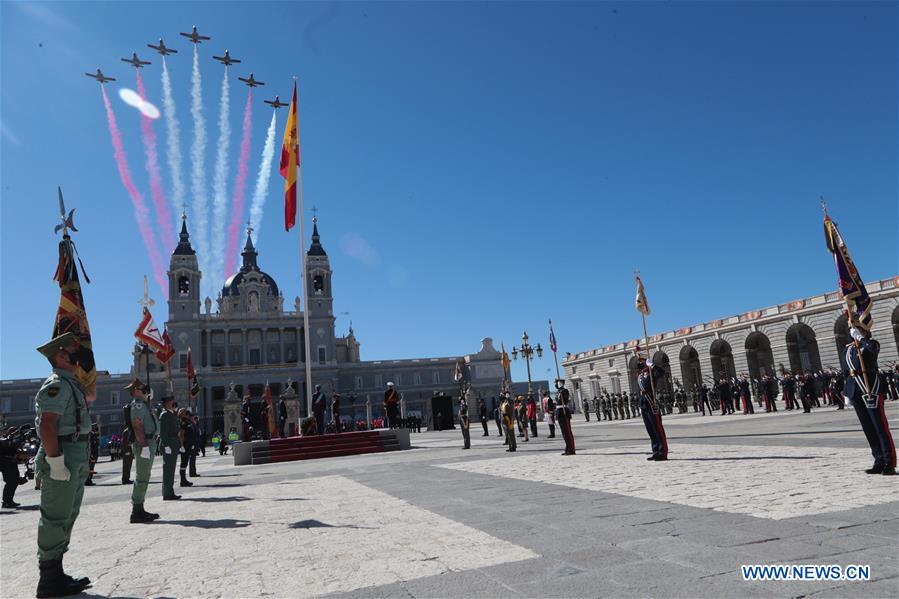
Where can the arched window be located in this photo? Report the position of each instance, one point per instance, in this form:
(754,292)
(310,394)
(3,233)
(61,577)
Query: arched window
(318,285)
(183,286)
(841,337)
(722,359)
(759,356)
(802,347)
(689,367)
(661,360)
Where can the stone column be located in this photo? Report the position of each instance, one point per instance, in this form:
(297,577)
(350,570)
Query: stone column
(232,413)
(402,405)
(243,343)
(368,410)
(281,357)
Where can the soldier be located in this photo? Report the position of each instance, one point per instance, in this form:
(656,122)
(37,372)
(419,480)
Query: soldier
(531,413)
(335,411)
(607,406)
(319,404)
(746,396)
(186,444)
(482,414)
(549,413)
(464,423)
(497,416)
(127,438)
(807,386)
(391,405)
(282,415)
(837,383)
(649,407)
(563,416)
(93,453)
(244,416)
(724,396)
(704,399)
(865,390)
(145,430)
(170,444)
(587,409)
(508,412)
(62,422)
(596,408)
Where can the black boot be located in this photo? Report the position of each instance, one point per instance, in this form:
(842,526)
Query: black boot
(141,516)
(53,582)
(82,580)
(184,482)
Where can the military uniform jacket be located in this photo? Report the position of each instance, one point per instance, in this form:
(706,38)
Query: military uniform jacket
(855,381)
(60,394)
(282,410)
(643,381)
(141,410)
(463,415)
(168,430)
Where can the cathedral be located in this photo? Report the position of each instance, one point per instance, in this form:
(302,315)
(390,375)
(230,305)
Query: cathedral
(247,338)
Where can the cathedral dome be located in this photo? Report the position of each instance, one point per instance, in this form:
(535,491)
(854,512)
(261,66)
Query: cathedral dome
(249,273)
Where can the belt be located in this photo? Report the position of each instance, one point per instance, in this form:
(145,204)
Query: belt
(73,438)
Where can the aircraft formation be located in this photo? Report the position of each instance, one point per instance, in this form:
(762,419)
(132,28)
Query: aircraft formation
(195,38)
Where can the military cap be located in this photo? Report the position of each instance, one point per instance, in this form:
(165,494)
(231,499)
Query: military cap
(166,398)
(57,344)
(137,384)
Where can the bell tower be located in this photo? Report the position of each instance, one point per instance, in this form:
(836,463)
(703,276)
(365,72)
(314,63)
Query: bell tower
(321,301)
(184,300)
(184,279)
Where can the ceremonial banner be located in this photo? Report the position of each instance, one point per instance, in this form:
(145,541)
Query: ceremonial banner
(168,350)
(148,334)
(457,376)
(552,338)
(505,359)
(290,160)
(851,285)
(192,376)
(641,304)
(71,316)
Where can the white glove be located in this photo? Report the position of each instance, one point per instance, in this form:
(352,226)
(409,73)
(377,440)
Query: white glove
(856,334)
(145,453)
(180,450)
(58,470)
(168,451)
(649,363)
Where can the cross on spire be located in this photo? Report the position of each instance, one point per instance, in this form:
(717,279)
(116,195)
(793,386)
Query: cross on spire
(249,227)
(314,211)
(146,301)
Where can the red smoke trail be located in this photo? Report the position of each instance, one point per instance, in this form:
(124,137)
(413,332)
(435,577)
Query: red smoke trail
(141,214)
(163,216)
(240,185)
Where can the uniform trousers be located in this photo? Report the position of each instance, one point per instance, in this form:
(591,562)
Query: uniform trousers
(877,431)
(655,429)
(169,461)
(60,500)
(142,478)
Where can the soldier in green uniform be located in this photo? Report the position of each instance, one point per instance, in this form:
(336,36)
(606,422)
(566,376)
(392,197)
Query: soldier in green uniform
(144,428)
(63,425)
(169,443)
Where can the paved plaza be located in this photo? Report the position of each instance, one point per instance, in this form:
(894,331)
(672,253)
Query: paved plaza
(437,521)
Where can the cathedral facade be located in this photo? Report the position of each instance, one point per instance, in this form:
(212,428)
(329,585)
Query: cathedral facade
(247,338)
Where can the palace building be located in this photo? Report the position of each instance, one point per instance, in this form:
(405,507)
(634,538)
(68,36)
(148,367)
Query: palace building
(805,334)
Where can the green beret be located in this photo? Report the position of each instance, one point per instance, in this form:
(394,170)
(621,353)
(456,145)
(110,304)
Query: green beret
(58,344)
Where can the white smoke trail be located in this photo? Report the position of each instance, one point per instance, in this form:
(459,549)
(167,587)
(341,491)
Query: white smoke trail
(173,141)
(198,172)
(262,180)
(219,186)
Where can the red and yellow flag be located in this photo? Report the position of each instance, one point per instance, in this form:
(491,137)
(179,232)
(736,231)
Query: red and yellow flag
(71,316)
(290,160)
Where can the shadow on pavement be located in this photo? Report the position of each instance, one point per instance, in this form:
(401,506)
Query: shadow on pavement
(216,499)
(766,457)
(216,475)
(291,499)
(319,524)
(219,486)
(224,523)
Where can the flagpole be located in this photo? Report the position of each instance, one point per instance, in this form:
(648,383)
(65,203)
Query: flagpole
(303,282)
(554,348)
(652,384)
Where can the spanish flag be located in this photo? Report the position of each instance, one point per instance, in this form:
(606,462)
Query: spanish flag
(290,160)
(504,360)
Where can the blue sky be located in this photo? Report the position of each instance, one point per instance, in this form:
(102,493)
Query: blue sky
(478,168)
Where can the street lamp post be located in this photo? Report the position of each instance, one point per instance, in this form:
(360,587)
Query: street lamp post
(527,352)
